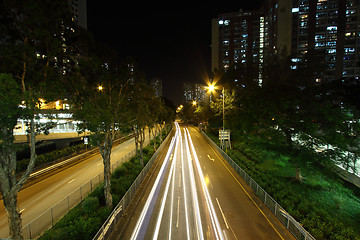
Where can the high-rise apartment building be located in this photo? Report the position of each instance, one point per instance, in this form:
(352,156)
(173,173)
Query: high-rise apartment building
(79,12)
(237,38)
(330,26)
(194,92)
(156,84)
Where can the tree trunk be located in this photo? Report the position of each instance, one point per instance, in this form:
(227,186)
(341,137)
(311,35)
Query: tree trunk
(107,181)
(141,149)
(136,137)
(298,175)
(14,217)
(160,133)
(154,139)
(288,138)
(105,151)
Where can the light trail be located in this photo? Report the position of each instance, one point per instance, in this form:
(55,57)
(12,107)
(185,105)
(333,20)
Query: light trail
(150,200)
(184,188)
(192,180)
(197,215)
(214,219)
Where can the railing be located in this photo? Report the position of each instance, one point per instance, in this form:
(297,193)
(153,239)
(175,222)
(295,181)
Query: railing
(288,221)
(109,225)
(52,215)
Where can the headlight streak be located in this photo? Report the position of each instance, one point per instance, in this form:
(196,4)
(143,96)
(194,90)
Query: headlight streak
(214,219)
(191,174)
(184,188)
(144,212)
(197,216)
(161,212)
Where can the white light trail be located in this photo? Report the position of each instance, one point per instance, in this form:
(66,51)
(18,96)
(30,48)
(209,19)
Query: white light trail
(145,210)
(184,188)
(197,215)
(214,219)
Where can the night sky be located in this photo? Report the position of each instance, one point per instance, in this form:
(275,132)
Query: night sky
(173,45)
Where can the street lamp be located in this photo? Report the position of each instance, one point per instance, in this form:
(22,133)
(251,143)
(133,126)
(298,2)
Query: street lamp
(194,103)
(100,88)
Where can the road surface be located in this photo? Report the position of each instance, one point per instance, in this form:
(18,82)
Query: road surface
(196,195)
(36,199)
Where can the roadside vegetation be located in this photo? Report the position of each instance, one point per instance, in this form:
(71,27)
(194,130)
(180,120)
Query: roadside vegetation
(83,221)
(326,205)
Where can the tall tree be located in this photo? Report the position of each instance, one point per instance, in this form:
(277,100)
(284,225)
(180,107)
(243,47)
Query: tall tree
(99,104)
(32,45)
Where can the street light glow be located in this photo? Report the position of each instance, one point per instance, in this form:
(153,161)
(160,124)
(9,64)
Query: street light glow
(211,87)
(100,88)
(194,103)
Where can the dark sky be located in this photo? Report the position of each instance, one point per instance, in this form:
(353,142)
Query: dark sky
(171,44)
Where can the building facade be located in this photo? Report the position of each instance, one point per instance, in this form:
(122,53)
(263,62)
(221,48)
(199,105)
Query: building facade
(194,92)
(331,27)
(294,27)
(237,38)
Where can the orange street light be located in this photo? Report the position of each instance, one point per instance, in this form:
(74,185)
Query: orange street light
(100,88)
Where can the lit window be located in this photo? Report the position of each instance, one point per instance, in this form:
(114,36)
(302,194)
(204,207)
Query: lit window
(295,10)
(332,28)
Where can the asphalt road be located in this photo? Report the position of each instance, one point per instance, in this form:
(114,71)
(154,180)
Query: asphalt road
(36,199)
(196,195)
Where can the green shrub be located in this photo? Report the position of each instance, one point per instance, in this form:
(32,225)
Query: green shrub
(90,204)
(120,171)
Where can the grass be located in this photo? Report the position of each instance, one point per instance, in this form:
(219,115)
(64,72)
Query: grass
(326,205)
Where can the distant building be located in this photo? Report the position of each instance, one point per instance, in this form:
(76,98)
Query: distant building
(295,26)
(156,83)
(330,26)
(238,37)
(79,12)
(194,92)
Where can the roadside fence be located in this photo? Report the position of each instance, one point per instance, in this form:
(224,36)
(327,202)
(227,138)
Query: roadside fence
(288,221)
(47,220)
(109,225)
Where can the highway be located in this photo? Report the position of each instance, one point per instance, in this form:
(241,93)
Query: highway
(194,194)
(37,198)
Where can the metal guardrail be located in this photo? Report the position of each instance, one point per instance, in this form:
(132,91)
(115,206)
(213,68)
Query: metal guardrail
(46,220)
(285,218)
(110,223)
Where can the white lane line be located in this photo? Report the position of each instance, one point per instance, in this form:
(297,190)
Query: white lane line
(178,212)
(22,210)
(210,158)
(222,213)
(71,180)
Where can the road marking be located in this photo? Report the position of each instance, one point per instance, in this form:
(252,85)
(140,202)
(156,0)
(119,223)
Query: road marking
(71,180)
(171,156)
(210,158)
(247,194)
(222,213)
(99,164)
(178,212)
(22,210)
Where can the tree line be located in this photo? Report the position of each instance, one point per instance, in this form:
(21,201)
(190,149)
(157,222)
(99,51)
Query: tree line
(295,107)
(45,55)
